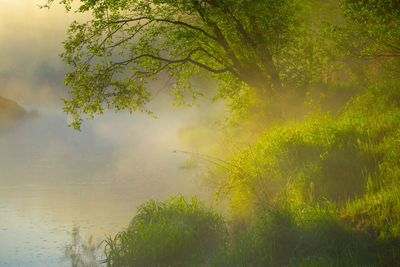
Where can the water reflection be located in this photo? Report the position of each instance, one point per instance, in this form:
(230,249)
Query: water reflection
(52,178)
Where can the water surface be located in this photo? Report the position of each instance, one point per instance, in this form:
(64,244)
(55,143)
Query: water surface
(53,178)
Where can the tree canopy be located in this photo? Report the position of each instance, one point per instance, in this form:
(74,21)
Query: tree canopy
(372,30)
(128,43)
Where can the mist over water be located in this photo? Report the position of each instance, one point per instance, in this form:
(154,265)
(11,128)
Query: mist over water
(53,178)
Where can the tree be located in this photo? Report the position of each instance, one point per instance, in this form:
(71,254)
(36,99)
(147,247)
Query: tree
(372,30)
(127,43)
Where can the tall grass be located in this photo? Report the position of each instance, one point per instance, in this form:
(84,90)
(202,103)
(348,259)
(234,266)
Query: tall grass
(324,192)
(312,236)
(175,232)
(325,158)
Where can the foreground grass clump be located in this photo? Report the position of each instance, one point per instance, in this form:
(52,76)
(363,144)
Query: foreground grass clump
(174,232)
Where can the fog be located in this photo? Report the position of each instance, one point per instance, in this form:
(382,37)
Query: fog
(52,177)
(30,41)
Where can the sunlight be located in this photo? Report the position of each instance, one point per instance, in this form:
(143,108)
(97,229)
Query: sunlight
(200,133)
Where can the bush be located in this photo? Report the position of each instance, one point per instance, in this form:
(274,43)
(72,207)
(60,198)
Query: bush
(169,233)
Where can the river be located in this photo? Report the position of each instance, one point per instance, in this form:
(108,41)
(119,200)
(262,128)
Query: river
(53,178)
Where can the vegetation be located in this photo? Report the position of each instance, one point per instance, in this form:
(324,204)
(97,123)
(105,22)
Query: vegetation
(175,232)
(253,48)
(321,193)
(324,192)
(81,252)
(374,26)
(318,183)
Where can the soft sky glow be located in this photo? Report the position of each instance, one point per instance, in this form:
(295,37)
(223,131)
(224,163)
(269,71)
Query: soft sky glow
(30,41)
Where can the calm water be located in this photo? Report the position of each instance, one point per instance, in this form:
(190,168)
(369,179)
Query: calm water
(53,178)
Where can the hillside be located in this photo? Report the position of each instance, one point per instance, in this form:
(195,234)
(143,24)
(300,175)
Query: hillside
(10,111)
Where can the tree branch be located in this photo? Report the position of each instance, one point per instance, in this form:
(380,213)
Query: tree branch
(172,61)
(175,22)
(130,36)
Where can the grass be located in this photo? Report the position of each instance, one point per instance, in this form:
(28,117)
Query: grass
(324,192)
(175,232)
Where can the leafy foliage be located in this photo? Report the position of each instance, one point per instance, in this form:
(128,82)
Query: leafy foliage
(372,32)
(260,46)
(321,192)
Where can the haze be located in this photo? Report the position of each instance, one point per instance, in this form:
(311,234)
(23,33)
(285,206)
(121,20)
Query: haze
(53,177)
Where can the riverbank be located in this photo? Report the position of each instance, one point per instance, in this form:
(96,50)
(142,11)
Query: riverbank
(323,192)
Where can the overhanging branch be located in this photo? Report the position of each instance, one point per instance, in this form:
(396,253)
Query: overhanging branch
(175,22)
(187,59)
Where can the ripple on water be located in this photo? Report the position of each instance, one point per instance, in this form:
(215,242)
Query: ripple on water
(56,179)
